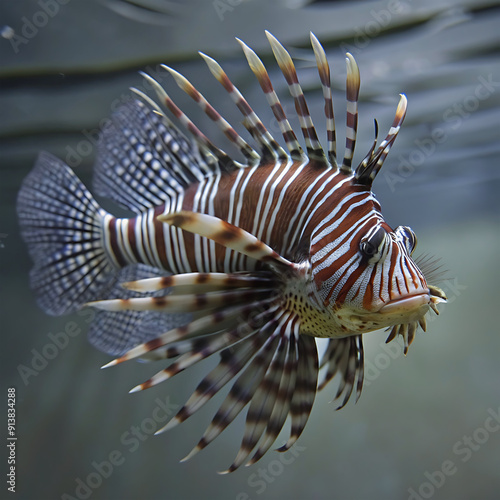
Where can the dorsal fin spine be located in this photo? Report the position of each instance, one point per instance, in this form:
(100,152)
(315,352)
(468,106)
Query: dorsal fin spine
(260,72)
(185,120)
(287,67)
(371,165)
(210,111)
(324,76)
(255,125)
(352,93)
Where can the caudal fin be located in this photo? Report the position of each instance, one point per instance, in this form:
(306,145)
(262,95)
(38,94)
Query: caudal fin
(62,226)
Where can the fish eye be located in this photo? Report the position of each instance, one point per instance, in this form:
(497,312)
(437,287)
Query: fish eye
(408,237)
(372,243)
(368,249)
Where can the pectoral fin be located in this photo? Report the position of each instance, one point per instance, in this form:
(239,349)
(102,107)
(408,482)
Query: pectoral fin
(226,234)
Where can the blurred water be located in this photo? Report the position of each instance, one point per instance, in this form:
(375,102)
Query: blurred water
(417,414)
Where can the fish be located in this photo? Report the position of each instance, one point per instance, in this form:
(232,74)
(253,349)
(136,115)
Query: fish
(247,261)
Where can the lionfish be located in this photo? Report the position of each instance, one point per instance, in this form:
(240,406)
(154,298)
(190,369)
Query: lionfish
(250,260)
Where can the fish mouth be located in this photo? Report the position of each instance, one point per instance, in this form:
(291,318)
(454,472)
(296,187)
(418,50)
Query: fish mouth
(414,308)
(406,304)
(413,302)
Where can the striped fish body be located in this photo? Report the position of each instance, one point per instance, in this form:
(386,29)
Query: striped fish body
(251,261)
(267,201)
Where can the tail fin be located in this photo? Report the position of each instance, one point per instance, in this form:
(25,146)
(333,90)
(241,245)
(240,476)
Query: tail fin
(62,226)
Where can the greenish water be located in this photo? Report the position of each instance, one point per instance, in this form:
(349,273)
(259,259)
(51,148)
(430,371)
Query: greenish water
(426,425)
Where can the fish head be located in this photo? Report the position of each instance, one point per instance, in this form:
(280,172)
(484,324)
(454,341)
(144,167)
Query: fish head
(366,277)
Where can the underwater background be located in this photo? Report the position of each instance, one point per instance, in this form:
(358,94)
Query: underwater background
(428,424)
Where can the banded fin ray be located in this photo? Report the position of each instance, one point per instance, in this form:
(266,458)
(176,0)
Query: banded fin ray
(260,72)
(231,363)
(346,357)
(221,158)
(352,94)
(271,396)
(252,122)
(313,146)
(208,323)
(371,165)
(305,389)
(199,280)
(283,399)
(192,351)
(245,385)
(227,235)
(116,333)
(181,302)
(250,154)
(324,76)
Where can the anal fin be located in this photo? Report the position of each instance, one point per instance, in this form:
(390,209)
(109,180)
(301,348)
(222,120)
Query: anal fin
(117,332)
